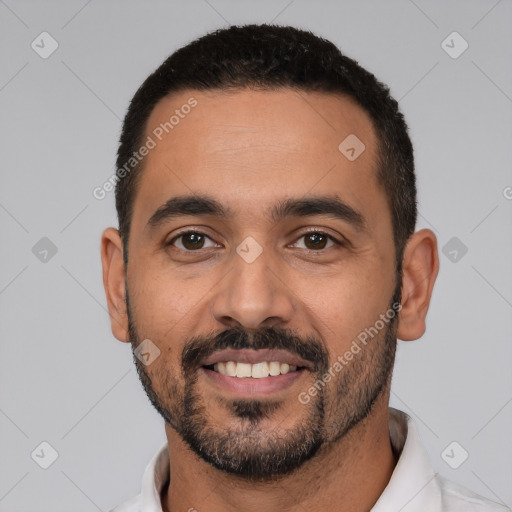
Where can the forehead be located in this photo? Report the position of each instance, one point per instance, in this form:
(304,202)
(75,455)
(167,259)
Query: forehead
(249,148)
(237,120)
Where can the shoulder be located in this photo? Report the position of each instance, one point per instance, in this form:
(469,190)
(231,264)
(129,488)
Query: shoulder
(128,506)
(456,498)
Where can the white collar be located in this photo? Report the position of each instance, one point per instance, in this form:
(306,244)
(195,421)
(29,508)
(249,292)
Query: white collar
(413,486)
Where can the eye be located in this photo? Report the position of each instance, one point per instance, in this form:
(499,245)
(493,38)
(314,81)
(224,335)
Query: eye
(194,240)
(317,240)
(191,241)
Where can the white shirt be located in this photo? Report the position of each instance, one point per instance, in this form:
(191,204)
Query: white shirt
(413,487)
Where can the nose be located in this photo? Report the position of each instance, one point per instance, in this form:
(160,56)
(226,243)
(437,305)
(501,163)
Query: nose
(253,296)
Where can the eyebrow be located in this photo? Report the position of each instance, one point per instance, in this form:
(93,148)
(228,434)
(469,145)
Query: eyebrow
(197,205)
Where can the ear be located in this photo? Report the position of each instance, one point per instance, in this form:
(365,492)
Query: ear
(419,271)
(114,282)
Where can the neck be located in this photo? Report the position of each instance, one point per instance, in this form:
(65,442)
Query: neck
(350,474)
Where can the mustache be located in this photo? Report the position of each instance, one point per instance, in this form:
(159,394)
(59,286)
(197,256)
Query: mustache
(197,349)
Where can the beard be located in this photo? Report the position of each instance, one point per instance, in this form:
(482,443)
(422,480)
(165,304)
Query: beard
(245,445)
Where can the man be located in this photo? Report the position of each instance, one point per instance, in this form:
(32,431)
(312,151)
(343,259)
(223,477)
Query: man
(265,264)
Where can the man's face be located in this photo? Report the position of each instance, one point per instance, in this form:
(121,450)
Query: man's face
(290,258)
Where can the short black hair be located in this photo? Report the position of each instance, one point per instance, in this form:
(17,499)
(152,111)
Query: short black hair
(271,57)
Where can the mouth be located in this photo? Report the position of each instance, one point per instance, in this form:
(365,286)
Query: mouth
(254,372)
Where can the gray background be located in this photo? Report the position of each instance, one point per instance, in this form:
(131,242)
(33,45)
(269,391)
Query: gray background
(65,380)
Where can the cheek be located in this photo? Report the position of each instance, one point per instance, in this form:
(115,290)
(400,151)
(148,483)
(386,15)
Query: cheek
(351,305)
(166,315)
(163,368)
(158,302)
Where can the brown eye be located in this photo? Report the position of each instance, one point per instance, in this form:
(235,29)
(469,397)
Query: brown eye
(193,241)
(190,241)
(316,241)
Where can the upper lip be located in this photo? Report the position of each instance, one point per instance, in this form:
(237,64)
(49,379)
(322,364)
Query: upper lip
(256,356)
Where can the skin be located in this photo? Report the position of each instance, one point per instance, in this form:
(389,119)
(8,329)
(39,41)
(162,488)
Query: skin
(228,147)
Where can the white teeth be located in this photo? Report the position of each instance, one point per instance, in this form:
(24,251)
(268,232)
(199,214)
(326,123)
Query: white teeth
(260,370)
(256,371)
(230,368)
(275,368)
(243,370)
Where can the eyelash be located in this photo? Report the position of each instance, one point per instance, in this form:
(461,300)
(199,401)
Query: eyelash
(318,232)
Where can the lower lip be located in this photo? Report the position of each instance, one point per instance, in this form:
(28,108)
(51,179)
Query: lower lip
(249,386)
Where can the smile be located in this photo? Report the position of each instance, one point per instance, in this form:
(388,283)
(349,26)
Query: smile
(254,371)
